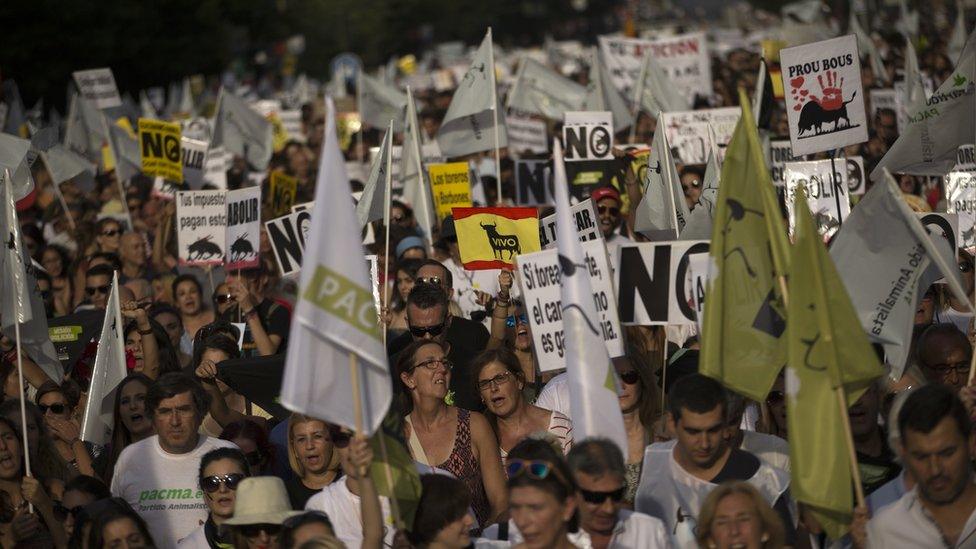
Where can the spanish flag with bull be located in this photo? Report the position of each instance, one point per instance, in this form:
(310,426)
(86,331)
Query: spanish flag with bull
(490,238)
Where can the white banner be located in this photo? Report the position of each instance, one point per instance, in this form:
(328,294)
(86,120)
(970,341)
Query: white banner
(243,228)
(654,287)
(588,135)
(684,57)
(687,132)
(526,135)
(960,190)
(201,218)
(827,194)
(587,225)
(98,86)
(288,235)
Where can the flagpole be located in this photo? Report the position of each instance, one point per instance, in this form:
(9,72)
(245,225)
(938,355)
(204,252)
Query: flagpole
(494,114)
(640,91)
(362,122)
(386,217)
(357,398)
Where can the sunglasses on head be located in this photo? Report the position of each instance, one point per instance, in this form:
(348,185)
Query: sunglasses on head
(510,321)
(92,290)
(253,530)
(56,408)
(597,498)
(421,331)
(223,298)
(212,483)
(630,377)
(533,468)
(605,209)
(340,438)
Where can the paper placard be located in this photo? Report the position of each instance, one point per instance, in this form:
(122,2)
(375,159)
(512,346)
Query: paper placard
(284,188)
(159,146)
(201,218)
(288,235)
(526,135)
(827,195)
(243,228)
(98,86)
(193,154)
(588,135)
(960,188)
(450,187)
(684,58)
(587,225)
(687,132)
(653,282)
(533,183)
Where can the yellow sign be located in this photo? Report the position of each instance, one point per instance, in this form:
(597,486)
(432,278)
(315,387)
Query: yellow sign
(491,238)
(284,188)
(159,145)
(450,186)
(279,137)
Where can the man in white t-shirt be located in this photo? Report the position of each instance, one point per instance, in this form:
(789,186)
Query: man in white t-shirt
(158,476)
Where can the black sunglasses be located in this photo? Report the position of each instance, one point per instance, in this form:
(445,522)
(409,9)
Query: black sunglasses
(113,232)
(62,512)
(223,298)
(966,266)
(604,209)
(92,290)
(597,498)
(434,331)
(212,483)
(252,530)
(433,280)
(56,408)
(630,377)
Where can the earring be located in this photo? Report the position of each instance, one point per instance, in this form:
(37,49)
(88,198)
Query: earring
(765,537)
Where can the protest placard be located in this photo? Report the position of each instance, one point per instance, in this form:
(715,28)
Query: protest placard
(824,108)
(526,135)
(215,165)
(946,224)
(960,188)
(588,135)
(587,225)
(886,101)
(697,282)
(450,187)
(284,188)
(856,178)
(780,152)
(826,190)
(165,189)
(201,222)
(965,159)
(159,146)
(533,183)
(243,228)
(491,238)
(193,153)
(288,235)
(538,276)
(653,283)
(684,58)
(687,132)
(291,121)
(98,86)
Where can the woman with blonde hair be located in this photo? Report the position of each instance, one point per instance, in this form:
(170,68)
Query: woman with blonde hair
(312,457)
(736,515)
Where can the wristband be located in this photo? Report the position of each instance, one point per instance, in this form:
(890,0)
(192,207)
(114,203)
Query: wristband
(145,332)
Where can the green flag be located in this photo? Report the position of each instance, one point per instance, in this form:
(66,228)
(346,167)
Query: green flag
(828,350)
(393,469)
(743,320)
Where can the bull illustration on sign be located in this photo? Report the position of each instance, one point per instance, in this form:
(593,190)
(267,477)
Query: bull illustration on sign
(241,249)
(501,242)
(817,112)
(203,249)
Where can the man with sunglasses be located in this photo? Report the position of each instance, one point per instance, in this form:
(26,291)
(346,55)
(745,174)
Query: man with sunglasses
(158,475)
(98,284)
(606,201)
(600,473)
(944,354)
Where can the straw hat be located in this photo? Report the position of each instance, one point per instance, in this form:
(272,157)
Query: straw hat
(261,500)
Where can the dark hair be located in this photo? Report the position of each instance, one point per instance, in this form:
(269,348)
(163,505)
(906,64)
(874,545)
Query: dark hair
(100,270)
(448,277)
(559,482)
(52,387)
(117,509)
(407,210)
(649,404)
(111,257)
(218,342)
(428,296)
(165,352)
(176,383)
(597,457)
(85,484)
(63,255)
(233,454)
(162,308)
(927,406)
(443,500)
(404,364)
(187,278)
(217,327)
(20,441)
(502,355)
(698,394)
(46,461)
(121,437)
(100,225)
(286,538)
(245,428)
(936,331)
(409,266)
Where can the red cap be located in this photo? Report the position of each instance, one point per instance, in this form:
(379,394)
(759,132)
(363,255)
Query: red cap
(600,193)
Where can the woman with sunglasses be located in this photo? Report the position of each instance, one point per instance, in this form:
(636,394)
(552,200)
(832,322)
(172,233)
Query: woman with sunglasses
(450,438)
(223,300)
(639,404)
(501,384)
(510,328)
(19,526)
(312,457)
(131,423)
(221,470)
(260,509)
(541,496)
(78,492)
(252,439)
(53,403)
(46,461)
(108,240)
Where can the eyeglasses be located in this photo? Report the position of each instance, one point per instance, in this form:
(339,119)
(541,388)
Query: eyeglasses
(433,280)
(252,530)
(112,232)
(533,468)
(223,298)
(630,377)
(254,458)
(212,484)
(943,370)
(56,408)
(604,209)
(597,498)
(775,397)
(965,266)
(90,291)
(340,438)
(434,331)
(433,363)
(496,381)
(510,321)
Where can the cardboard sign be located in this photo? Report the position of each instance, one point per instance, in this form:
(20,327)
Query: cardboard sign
(243,228)
(684,58)
(98,86)
(588,135)
(201,218)
(287,235)
(159,146)
(491,238)
(827,193)
(824,97)
(533,183)
(886,100)
(538,276)
(965,159)
(687,132)
(587,225)
(193,153)
(526,135)
(653,282)
(284,188)
(165,189)
(450,187)
(960,188)
(780,152)
(945,224)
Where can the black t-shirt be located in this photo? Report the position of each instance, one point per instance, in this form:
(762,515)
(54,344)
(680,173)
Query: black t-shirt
(274,318)
(742,465)
(876,471)
(463,332)
(298,493)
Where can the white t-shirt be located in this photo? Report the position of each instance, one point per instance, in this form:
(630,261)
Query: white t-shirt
(769,448)
(163,487)
(632,530)
(343,508)
(196,540)
(905,523)
(555,395)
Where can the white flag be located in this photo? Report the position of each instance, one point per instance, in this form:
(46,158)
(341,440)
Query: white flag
(699,226)
(335,319)
(656,93)
(907,23)
(379,102)
(866,46)
(186,99)
(541,90)
(372,201)
(125,150)
(469,125)
(915,96)
(593,384)
(662,212)
(63,164)
(957,41)
(601,95)
(146,108)
(108,372)
(416,189)
(242,131)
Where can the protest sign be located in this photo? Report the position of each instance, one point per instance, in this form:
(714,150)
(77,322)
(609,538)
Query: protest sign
(450,187)
(533,183)
(945,224)
(193,152)
(291,122)
(697,282)
(284,188)
(684,57)
(491,238)
(159,146)
(826,192)
(687,132)
(856,178)
(653,282)
(965,159)
(587,225)
(288,235)
(243,228)
(215,165)
(201,222)
(886,101)
(526,135)
(165,189)
(780,152)
(960,188)
(822,82)
(98,86)
(538,276)
(588,135)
